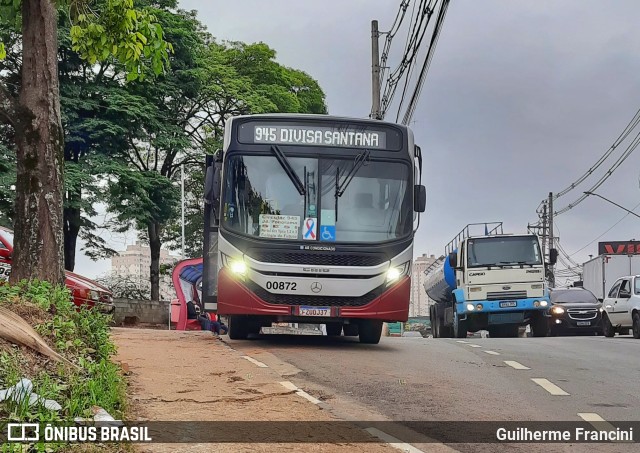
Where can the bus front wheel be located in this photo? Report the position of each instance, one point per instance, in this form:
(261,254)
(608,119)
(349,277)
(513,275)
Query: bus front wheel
(238,328)
(370,331)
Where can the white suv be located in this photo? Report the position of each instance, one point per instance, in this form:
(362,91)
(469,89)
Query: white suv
(622,306)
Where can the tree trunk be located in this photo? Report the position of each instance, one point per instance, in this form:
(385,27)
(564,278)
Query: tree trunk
(72,219)
(38,219)
(154,245)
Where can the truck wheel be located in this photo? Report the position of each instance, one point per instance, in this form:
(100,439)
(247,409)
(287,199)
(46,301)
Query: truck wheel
(459,327)
(370,331)
(238,329)
(607,329)
(539,325)
(334,329)
(636,325)
(435,325)
(350,330)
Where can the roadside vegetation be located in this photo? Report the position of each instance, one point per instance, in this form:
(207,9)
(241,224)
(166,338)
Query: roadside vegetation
(79,335)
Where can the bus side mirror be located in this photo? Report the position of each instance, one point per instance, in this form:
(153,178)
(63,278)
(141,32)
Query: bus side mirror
(453,260)
(419,198)
(553,257)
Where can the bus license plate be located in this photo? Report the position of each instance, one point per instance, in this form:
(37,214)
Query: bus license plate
(509,303)
(583,323)
(315,311)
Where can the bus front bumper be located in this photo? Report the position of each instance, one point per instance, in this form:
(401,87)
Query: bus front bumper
(234,298)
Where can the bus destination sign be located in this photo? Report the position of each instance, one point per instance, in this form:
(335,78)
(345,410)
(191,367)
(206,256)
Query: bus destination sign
(339,137)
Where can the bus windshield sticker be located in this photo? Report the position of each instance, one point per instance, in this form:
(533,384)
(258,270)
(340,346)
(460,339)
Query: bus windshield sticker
(311,212)
(328,233)
(309,229)
(279,226)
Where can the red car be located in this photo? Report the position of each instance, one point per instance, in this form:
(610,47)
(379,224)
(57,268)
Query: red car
(84,291)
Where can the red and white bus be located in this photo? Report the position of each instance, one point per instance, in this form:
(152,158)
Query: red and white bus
(311,219)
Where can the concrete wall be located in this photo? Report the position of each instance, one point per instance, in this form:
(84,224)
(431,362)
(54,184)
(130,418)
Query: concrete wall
(131,312)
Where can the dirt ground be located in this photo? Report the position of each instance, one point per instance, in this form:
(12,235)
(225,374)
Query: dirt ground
(193,376)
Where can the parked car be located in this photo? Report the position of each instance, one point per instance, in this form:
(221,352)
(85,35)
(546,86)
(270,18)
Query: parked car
(622,307)
(84,291)
(574,310)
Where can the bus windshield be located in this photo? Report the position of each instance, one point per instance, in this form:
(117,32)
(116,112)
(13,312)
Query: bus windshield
(496,251)
(261,200)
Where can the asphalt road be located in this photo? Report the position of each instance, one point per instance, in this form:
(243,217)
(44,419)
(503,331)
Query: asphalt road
(545,379)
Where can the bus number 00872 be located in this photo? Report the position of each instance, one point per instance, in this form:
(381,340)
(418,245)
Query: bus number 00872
(282,286)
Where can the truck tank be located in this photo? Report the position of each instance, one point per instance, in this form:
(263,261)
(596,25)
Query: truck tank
(441,283)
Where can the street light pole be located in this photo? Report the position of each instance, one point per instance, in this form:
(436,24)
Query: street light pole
(613,202)
(182,183)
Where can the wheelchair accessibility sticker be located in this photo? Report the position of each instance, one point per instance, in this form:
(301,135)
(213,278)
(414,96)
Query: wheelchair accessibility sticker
(328,233)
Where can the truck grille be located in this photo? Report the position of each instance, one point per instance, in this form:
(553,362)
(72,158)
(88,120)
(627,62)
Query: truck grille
(314,301)
(506,295)
(317,259)
(581,314)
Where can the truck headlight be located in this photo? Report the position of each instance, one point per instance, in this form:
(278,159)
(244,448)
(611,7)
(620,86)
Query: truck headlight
(557,310)
(471,307)
(94,295)
(395,273)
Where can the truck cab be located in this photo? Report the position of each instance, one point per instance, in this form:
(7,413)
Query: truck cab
(622,307)
(491,281)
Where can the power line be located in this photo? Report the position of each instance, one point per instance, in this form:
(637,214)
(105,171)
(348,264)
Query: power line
(623,135)
(610,228)
(412,46)
(427,63)
(632,146)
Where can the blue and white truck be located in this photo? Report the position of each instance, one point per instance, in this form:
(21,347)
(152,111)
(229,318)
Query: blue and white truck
(493,281)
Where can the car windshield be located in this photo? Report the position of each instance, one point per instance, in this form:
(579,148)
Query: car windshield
(261,200)
(494,251)
(560,296)
(8,235)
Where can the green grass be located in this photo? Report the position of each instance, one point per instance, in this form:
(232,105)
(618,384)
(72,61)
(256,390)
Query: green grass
(80,336)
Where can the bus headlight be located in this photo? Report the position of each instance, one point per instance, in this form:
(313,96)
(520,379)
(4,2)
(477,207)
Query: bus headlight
(395,273)
(470,307)
(236,266)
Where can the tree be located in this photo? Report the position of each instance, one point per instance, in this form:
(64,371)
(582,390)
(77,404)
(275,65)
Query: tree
(113,29)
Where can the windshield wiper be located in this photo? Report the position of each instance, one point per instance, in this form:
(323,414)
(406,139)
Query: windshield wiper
(359,162)
(341,188)
(288,169)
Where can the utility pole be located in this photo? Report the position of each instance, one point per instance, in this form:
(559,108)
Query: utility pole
(544,231)
(375,72)
(552,278)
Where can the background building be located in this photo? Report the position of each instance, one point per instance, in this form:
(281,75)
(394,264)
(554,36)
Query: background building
(420,302)
(133,265)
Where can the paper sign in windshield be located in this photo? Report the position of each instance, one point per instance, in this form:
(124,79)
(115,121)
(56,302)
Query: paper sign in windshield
(279,226)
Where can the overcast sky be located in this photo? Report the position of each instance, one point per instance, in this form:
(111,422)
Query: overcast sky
(521,98)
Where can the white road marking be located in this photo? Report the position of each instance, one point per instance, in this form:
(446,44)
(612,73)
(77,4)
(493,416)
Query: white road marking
(300,392)
(288,385)
(462,341)
(549,386)
(308,397)
(475,346)
(598,422)
(394,442)
(254,361)
(492,352)
(516,365)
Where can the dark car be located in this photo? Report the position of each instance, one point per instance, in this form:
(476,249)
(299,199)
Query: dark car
(574,310)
